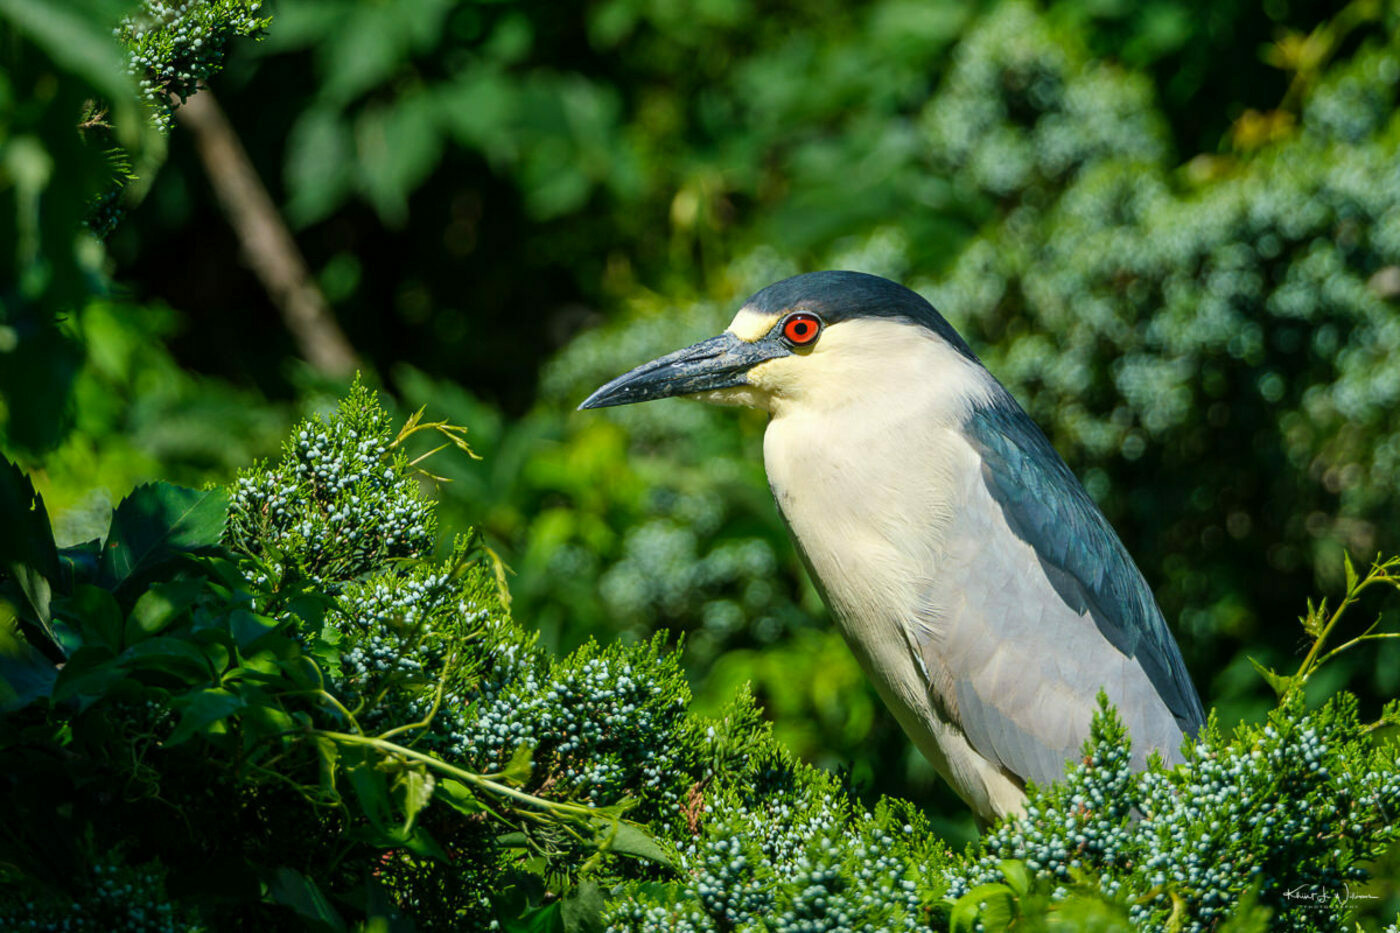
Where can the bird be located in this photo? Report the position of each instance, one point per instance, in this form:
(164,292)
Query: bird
(980,588)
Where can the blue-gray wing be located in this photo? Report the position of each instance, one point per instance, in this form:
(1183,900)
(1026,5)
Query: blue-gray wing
(1049,608)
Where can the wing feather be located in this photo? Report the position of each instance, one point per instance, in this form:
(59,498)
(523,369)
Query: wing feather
(1048,608)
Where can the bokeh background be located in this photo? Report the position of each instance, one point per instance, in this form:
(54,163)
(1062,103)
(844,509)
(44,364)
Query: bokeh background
(1171,227)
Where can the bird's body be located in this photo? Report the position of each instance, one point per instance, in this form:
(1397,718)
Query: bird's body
(977,584)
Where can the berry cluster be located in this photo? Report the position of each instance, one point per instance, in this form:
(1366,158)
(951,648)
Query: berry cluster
(173,45)
(116,897)
(1291,808)
(340,503)
(603,722)
(786,850)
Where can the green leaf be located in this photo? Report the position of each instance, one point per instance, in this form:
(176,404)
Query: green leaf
(1281,683)
(293,889)
(1018,877)
(79,41)
(25,674)
(991,904)
(633,840)
(582,909)
(414,787)
(1350,571)
(398,146)
(171,655)
(94,612)
(371,789)
(311,609)
(79,562)
(459,797)
(246,628)
(260,720)
(159,521)
(216,653)
(548,919)
(159,606)
(420,842)
(319,163)
(201,710)
(37,591)
(27,549)
(1315,618)
(87,674)
(328,763)
(518,771)
(1390,713)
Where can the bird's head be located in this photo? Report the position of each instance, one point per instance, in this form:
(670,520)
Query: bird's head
(815,339)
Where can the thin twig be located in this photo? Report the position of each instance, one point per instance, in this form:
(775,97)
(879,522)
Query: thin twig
(476,780)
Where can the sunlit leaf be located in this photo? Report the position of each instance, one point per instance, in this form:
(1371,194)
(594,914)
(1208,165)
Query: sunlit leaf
(156,522)
(634,841)
(159,606)
(517,770)
(414,787)
(27,549)
(582,909)
(457,796)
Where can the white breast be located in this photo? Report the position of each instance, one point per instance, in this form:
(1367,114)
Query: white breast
(869,480)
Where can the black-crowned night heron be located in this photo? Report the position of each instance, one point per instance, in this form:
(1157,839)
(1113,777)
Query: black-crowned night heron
(981,589)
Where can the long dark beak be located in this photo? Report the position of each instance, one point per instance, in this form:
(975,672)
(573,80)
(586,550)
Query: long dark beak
(717,363)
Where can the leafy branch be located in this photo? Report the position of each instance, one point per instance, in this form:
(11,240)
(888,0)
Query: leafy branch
(1320,623)
(456,436)
(610,832)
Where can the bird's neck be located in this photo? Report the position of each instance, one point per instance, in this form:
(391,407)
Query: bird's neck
(866,485)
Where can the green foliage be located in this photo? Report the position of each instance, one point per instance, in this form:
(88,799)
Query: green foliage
(361,732)
(56,59)
(337,506)
(328,728)
(118,896)
(363,735)
(175,45)
(137,414)
(1283,813)
(776,847)
(1147,323)
(71,131)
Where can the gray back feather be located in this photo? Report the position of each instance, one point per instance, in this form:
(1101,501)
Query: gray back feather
(1081,555)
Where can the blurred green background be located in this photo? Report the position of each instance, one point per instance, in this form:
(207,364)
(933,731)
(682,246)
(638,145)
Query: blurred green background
(1172,228)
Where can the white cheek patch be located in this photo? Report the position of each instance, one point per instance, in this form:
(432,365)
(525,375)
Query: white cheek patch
(749,325)
(776,377)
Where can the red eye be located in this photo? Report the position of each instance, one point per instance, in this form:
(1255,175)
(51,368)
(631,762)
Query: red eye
(801,329)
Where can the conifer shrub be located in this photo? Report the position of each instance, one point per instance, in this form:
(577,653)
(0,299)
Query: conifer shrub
(275,706)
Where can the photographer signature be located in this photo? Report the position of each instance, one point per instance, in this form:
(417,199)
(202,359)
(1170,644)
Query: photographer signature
(1324,896)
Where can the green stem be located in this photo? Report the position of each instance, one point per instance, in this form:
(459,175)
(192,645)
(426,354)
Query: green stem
(349,716)
(432,712)
(1379,573)
(1309,662)
(475,780)
(1355,641)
